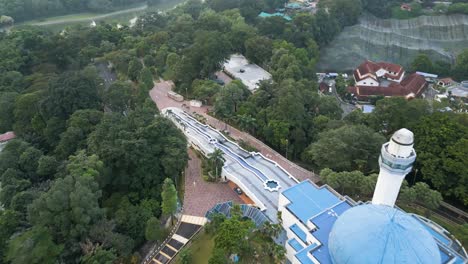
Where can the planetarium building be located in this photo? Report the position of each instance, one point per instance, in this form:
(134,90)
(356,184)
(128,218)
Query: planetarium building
(323,226)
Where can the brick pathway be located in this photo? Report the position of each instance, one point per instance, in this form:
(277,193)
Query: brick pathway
(159,96)
(201,196)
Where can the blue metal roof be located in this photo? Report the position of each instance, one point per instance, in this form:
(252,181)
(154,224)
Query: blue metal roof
(443,239)
(299,232)
(380,234)
(296,245)
(302,256)
(264,15)
(307,200)
(324,223)
(366,109)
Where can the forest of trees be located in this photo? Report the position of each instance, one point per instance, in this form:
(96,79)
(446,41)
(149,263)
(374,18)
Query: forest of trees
(83,180)
(87,179)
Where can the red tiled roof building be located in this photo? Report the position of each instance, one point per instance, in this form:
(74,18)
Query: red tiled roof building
(385,79)
(7,136)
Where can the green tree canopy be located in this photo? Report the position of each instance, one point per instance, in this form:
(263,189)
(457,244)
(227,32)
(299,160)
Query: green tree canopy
(347,148)
(70,207)
(441,144)
(232,234)
(80,124)
(391,114)
(461,65)
(33,246)
(100,256)
(73,91)
(258,49)
(229,98)
(153,230)
(120,97)
(169,198)
(422,63)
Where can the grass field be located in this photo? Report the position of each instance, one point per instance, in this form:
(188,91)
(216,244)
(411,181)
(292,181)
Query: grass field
(200,248)
(123,16)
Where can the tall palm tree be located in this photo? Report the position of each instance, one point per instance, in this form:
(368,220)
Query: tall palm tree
(217,161)
(246,122)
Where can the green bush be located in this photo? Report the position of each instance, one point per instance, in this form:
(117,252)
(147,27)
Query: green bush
(458,8)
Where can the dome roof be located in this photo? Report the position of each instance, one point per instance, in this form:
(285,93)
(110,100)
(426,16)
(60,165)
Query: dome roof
(380,234)
(403,137)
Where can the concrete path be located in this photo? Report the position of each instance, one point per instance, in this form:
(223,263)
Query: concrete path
(186,229)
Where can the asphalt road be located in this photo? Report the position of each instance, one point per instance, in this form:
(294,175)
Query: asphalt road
(90,18)
(346,107)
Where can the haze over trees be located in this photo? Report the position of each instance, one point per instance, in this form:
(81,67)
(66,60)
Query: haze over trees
(84,180)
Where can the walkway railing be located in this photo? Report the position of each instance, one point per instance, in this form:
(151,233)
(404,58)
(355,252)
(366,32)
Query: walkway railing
(155,249)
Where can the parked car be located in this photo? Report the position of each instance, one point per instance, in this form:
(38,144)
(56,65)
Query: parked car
(238,190)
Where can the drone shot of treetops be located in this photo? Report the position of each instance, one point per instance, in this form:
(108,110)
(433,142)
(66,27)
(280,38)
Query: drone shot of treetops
(233,131)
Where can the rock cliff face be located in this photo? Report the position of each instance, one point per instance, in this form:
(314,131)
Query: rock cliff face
(397,41)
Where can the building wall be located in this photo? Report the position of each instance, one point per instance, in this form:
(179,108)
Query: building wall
(288,220)
(226,175)
(401,77)
(367,82)
(290,252)
(381,72)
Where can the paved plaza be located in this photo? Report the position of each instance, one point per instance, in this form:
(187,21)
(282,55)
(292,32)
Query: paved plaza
(200,196)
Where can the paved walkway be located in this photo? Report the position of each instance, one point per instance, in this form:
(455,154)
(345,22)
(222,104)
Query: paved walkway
(200,196)
(159,96)
(188,226)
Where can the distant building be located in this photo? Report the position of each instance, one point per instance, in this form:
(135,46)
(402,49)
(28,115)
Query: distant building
(238,67)
(385,79)
(460,91)
(444,82)
(367,109)
(4,138)
(405,7)
(428,75)
(7,136)
(293,6)
(323,87)
(265,14)
(324,227)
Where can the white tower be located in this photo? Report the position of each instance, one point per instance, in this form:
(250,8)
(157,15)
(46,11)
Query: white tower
(396,160)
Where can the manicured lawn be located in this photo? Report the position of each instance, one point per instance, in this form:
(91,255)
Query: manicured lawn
(200,248)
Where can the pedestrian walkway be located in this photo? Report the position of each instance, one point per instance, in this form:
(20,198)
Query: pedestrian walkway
(188,226)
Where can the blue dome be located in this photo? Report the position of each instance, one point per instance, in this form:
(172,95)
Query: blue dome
(380,234)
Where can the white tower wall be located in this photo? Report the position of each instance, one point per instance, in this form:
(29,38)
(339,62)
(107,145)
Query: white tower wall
(396,160)
(387,188)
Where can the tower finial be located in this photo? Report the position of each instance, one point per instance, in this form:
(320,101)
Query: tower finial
(396,160)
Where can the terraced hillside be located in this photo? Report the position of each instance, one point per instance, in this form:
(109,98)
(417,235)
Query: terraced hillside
(398,41)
